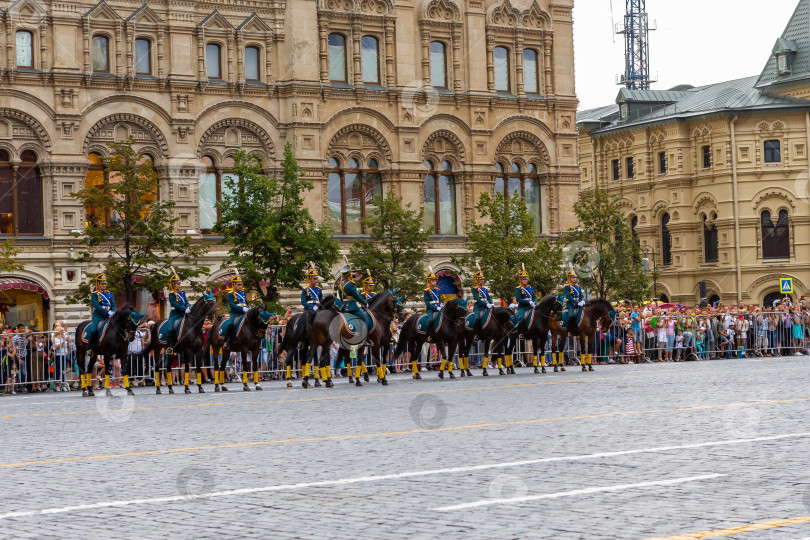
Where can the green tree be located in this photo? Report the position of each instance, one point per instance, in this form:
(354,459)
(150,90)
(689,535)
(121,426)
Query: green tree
(8,256)
(603,250)
(503,241)
(545,267)
(272,235)
(130,231)
(396,247)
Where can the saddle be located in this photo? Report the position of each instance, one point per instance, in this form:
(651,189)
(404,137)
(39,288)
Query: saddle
(422,324)
(163,330)
(353,323)
(567,324)
(101,330)
(236,324)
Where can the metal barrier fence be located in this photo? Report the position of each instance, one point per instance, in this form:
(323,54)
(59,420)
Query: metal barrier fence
(40,361)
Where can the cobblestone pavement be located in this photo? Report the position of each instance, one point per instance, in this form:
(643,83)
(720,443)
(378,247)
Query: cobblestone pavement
(630,451)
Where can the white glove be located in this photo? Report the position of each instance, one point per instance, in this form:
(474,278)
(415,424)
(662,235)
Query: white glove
(534,304)
(513,306)
(110,313)
(245,309)
(489,306)
(188,310)
(581,303)
(314,308)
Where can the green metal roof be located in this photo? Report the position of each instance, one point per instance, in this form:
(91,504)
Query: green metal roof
(796,35)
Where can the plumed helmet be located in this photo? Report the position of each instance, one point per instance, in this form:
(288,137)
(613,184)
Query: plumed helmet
(236,279)
(101,278)
(570,273)
(430,275)
(312,272)
(523,273)
(174,278)
(368,279)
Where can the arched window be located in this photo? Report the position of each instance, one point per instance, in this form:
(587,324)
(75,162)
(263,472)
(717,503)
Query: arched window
(501,69)
(438,65)
(212,187)
(337,58)
(666,240)
(252,71)
(633,225)
(143,57)
(101,54)
(531,75)
(710,251)
(25,49)
(440,198)
(775,238)
(524,183)
(351,191)
(371,62)
(213,61)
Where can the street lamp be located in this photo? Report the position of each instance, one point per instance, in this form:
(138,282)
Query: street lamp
(645,249)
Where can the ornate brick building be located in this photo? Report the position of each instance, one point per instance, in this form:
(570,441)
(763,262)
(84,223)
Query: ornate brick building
(431,99)
(715,180)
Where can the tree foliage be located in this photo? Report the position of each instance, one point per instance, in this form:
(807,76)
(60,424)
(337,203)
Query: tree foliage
(8,256)
(396,248)
(604,251)
(130,231)
(272,235)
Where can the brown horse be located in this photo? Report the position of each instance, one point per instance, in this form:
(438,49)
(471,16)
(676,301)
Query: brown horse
(327,327)
(247,340)
(545,321)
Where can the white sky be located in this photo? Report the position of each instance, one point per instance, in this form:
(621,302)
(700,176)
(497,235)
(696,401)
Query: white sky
(697,42)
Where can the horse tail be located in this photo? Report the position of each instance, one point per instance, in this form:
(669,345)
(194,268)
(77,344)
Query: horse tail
(404,335)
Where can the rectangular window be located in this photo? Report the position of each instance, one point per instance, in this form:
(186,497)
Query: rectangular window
(438,72)
(213,68)
(617,173)
(143,61)
(662,163)
(29,201)
(501,69)
(371,69)
(531,81)
(707,157)
(631,172)
(6,200)
(337,58)
(772,152)
(101,54)
(25,49)
(251,63)
(208,200)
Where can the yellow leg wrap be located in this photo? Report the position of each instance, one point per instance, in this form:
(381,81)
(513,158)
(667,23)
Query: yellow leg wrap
(157,378)
(327,373)
(358,371)
(534,361)
(106,381)
(500,363)
(542,360)
(169,378)
(244,377)
(413,367)
(306,370)
(442,365)
(216,376)
(508,360)
(450,366)
(363,367)
(590,357)
(485,363)
(84,380)
(554,358)
(199,379)
(255,377)
(316,371)
(126,381)
(289,372)
(186,378)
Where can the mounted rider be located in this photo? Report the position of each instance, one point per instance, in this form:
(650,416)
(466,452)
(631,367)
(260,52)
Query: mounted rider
(351,301)
(433,301)
(180,308)
(526,300)
(368,287)
(312,294)
(482,301)
(237,302)
(573,300)
(104,307)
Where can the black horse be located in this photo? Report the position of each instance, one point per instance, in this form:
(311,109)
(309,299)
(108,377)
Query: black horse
(545,321)
(324,329)
(247,339)
(296,338)
(445,337)
(494,334)
(114,342)
(189,343)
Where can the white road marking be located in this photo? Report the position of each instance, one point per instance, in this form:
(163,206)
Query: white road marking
(400,476)
(586,491)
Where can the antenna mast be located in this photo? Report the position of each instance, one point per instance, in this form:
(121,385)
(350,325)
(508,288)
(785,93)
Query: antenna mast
(636,30)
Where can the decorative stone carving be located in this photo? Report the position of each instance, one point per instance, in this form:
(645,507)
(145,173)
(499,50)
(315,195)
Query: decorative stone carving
(24,127)
(117,127)
(444,142)
(442,10)
(362,138)
(237,133)
(524,145)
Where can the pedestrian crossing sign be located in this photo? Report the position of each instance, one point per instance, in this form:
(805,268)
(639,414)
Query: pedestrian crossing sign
(786,285)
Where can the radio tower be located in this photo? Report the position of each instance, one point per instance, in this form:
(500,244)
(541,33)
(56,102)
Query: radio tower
(636,30)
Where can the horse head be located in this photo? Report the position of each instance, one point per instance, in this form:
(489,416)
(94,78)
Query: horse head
(127,320)
(456,308)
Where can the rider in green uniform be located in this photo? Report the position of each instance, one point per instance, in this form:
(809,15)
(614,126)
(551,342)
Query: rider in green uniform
(180,308)
(368,287)
(312,294)
(482,300)
(526,300)
(237,302)
(351,299)
(433,302)
(573,299)
(104,307)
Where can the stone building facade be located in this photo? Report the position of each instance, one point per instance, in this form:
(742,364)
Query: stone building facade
(715,181)
(420,97)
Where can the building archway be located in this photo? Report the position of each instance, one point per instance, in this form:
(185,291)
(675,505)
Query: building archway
(24,301)
(775,296)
